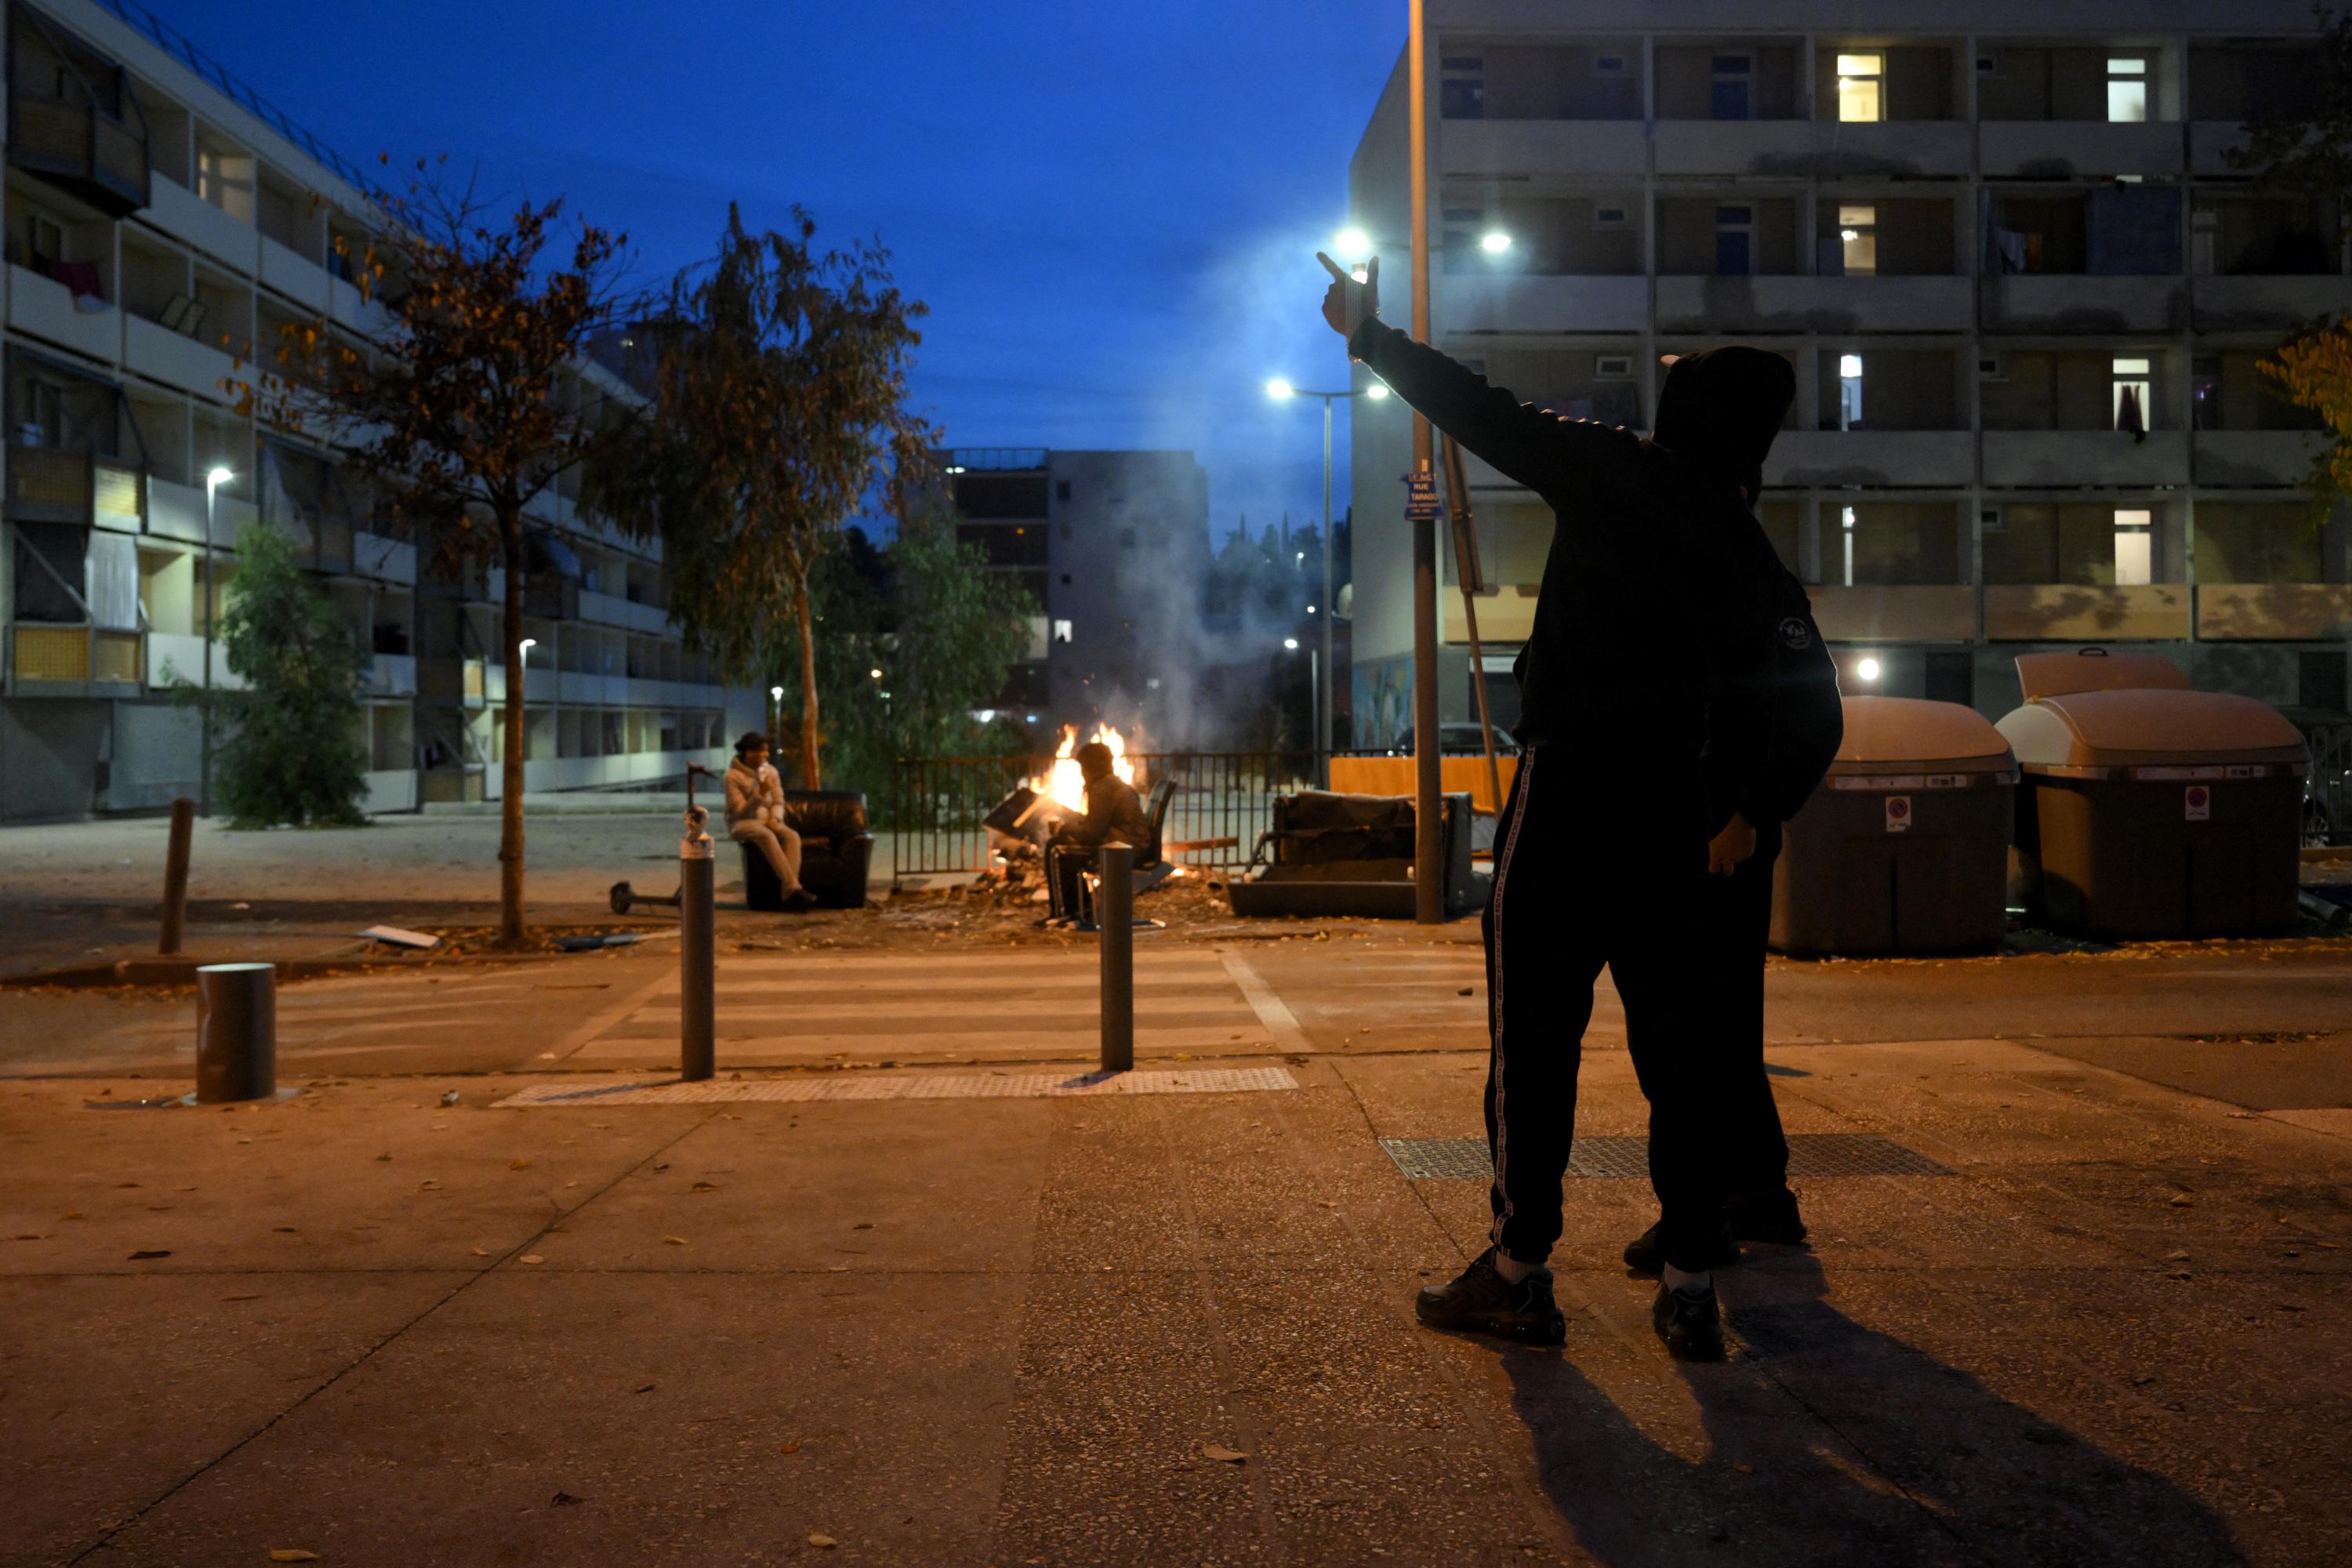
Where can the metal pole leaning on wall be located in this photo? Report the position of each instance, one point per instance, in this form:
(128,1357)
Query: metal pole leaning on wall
(1115,914)
(237,1032)
(698,988)
(175,876)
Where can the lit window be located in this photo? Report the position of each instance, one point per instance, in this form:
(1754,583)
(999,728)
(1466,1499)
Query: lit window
(1860,78)
(1062,631)
(1849,391)
(2127,90)
(2131,394)
(2135,547)
(1858,240)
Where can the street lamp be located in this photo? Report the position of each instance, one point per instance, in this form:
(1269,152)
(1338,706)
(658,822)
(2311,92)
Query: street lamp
(1282,391)
(775,708)
(217,476)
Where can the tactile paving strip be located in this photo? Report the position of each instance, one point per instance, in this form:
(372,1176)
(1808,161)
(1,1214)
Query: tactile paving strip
(1810,1154)
(910,1086)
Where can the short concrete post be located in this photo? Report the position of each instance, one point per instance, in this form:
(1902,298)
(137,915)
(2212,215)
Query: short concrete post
(237,1032)
(175,876)
(1114,916)
(696,958)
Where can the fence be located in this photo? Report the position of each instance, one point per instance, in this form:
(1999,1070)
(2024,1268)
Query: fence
(2327,806)
(1221,802)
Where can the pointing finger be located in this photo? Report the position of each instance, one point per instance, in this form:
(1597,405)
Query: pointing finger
(1333,268)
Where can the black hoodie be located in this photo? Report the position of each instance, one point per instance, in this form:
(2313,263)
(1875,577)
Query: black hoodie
(1658,592)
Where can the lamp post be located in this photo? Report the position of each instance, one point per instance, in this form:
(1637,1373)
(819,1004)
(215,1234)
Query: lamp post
(217,477)
(1282,391)
(775,708)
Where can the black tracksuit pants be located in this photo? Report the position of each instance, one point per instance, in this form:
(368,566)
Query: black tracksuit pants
(1593,867)
(1735,919)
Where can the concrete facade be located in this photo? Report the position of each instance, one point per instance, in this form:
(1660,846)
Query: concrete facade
(161,225)
(1113,547)
(1989,241)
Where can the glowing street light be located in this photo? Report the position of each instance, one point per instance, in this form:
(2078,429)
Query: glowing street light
(1867,668)
(1494,242)
(1352,243)
(1290,645)
(874,673)
(1280,389)
(1377,391)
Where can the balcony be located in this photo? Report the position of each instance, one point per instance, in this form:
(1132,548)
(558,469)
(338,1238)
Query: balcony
(2079,149)
(1542,147)
(46,485)
(74,145)
(174,658)
(2210,142)
(71,660)
(386,560)
(1529,302)
(392,674)
(1916,458)
(43,307)
(295,276)
(2085,612)
(2273,303)
(186,215)
(1789,304)
(2085,302)
(1812,148)
(176,359)
(1905,612)
(2254,612)
(2071,458)
(2256,458)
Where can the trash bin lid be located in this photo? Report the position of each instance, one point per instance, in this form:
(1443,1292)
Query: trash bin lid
(1881,733)
(2140,728)
(2097,669)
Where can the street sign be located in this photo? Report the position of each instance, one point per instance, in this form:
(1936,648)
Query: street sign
(1898,813)
(2197,804)
(1421,498)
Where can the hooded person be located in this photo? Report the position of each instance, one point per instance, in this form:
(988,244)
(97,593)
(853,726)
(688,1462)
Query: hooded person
(1655,597)
(1114,813)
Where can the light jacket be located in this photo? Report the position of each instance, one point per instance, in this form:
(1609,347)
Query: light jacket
(754,796)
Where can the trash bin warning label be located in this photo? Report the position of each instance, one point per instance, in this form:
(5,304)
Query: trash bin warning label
(2197,804)
(1898,813)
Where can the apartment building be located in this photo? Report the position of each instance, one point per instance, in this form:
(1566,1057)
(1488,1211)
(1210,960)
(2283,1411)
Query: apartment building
(1113,548)
(161,220)
(2023,290)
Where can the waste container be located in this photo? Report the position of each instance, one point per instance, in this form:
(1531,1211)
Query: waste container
(2151,810)
(1905,845)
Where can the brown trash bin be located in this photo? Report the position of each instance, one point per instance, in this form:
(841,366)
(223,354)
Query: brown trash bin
(1903,847)
(2151,810)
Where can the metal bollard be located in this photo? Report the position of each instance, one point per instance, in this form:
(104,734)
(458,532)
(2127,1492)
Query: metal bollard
(237,1032)
(175,875)
(697,991)
(1115,915)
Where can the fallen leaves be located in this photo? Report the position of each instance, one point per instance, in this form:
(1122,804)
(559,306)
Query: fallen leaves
(792,1447)
(481,1252)
(292,1554)
(821,1541)
(1223,1455)
(151,1252)
(518,1163)
(532,1258)
(673,1241)
(704,1187)
(564,1499)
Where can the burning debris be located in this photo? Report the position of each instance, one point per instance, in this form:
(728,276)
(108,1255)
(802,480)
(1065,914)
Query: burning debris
(1024,821)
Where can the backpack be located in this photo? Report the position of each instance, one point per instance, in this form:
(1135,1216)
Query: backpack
(1807,716)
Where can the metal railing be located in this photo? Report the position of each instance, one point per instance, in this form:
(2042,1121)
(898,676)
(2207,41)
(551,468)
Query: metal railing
(2327,806)
(1221,801)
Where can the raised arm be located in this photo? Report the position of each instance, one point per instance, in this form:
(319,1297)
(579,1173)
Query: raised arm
(1532,446)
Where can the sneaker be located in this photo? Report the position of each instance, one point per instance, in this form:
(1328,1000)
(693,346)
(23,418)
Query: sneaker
(1688,1322)
(800,901)
(1643,1256)
(1481,1301)
(1765,1216)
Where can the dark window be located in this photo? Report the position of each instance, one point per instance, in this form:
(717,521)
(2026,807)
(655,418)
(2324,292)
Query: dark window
(48,563)
(1731,99)
(1461,95)
(989,496)
(1731,253)
(1061,489)
(1951,676)
(2319,682)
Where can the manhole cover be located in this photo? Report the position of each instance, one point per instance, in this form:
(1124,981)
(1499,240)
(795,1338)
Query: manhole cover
(1810,1154)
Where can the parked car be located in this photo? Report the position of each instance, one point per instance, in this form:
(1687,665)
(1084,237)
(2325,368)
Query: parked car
(1460,740)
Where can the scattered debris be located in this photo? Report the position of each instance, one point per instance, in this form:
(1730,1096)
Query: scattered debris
(155,1252)
(292,1554)
(821,1541)
(792,1447)
(450,1097)
(673,1241)
(1223,1455)
(532,1258)
(398,936)
(648,1387)
(606,938)
(518,1163)
(565,1499)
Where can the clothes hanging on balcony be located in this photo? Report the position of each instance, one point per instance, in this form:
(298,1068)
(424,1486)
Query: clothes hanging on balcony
(81,277)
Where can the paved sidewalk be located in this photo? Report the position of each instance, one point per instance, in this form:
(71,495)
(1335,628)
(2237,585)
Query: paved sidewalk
(1027,1331)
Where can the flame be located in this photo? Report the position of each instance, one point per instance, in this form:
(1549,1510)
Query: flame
(1063,784)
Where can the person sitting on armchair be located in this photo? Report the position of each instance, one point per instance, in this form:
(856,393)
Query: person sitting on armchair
(1114,813)
(755,815)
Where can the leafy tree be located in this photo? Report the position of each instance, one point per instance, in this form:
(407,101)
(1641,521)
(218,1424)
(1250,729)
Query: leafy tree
(779,392)
(2314,372)
(2308,152)
(289,749)
(943,630)
(471,405)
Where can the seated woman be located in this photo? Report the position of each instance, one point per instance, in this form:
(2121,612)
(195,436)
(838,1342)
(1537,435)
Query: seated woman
(755,815)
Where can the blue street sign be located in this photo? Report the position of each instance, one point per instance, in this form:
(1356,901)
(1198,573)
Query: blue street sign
(1421,498)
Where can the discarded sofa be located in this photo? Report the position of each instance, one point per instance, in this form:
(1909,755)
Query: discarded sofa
(1352,856)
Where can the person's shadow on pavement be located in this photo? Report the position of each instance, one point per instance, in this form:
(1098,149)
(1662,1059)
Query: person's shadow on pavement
(1827,1441)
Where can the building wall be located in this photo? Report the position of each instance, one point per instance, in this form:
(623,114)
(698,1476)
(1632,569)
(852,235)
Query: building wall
(142,299)
(1996,255)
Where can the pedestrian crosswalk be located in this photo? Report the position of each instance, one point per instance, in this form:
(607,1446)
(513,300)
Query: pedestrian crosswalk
(389,1010)
(779,1008)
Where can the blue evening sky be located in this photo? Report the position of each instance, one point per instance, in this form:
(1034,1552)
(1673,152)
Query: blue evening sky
(1111,209)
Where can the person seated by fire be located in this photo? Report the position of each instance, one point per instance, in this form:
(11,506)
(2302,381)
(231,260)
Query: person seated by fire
(755,815)
(1114,813)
